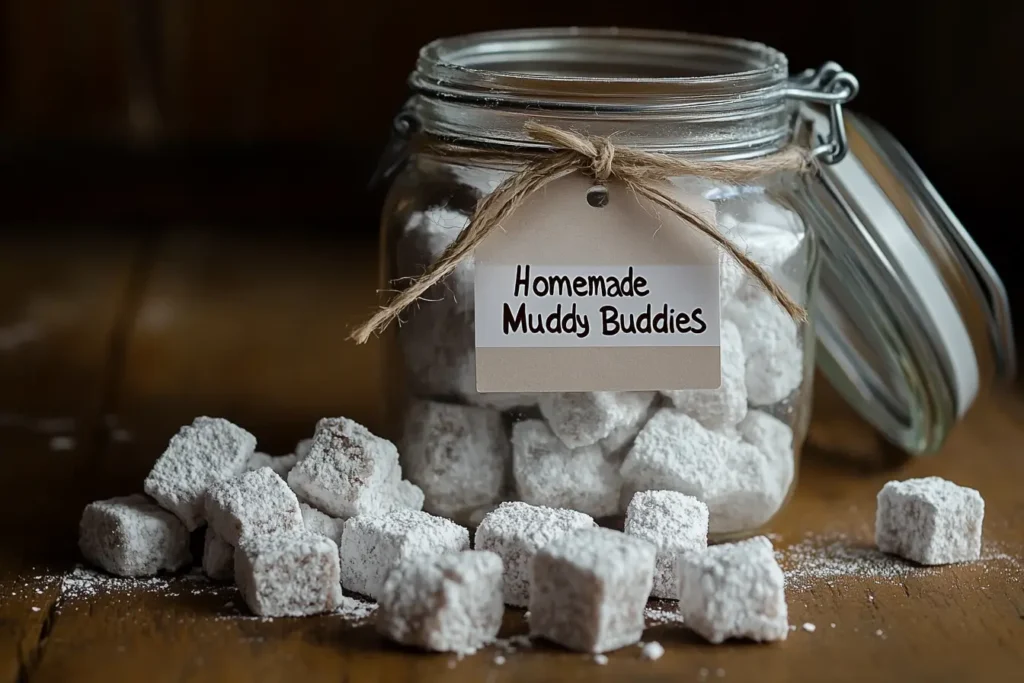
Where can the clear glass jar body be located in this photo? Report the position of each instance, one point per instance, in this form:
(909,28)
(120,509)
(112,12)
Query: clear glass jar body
(737,447)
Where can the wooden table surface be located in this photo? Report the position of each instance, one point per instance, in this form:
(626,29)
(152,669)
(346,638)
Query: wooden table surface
(109,342)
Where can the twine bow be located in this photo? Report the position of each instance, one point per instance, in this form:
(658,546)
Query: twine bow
(641,172)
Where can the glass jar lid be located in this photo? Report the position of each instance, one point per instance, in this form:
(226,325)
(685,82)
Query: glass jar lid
(911,318)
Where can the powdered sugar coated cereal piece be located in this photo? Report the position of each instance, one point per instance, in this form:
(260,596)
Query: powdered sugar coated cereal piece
(774,438)
(349,471)
(218,557)
(457,454)
(281,464)
(317,522)
(408,496)
(289,574)
(774,365)
(676,453)
(727,405)
(255,503)
(302,449)
(426,237)
(674,523)
(617,444)
(929,521)
(584,418)
(132,536)
(446,603)
(516,531)
(199,455)
(734,590)
(589,589)
(371,546)
(547,472)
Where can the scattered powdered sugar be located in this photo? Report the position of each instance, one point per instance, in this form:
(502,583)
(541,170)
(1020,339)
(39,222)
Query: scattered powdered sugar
(652,650)
(809,627)
(660,617)
(822,559)
(353,609)
(511,644)
(86,583)
(600,660)
(498,660)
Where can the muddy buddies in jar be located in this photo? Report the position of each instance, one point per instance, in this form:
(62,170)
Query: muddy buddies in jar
(606,247)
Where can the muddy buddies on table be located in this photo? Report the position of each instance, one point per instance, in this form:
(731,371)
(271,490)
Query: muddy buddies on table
(586,588)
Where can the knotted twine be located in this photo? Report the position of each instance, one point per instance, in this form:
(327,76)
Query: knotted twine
(641,172)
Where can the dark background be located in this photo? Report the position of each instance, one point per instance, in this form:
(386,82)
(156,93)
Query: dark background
(259,113)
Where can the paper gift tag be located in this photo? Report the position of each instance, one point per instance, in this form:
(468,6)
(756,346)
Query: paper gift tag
(572,297)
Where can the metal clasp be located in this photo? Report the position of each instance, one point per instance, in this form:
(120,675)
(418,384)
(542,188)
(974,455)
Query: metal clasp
(832,86)
(403,127)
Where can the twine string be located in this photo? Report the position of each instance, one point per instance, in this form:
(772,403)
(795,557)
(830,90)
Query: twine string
(599,158)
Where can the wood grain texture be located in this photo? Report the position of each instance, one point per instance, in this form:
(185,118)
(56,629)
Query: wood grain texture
(61,300)
(252,329)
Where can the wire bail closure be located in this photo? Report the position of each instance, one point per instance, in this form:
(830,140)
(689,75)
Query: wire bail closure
(832,86)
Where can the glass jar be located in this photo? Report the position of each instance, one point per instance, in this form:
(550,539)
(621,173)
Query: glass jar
(701,98)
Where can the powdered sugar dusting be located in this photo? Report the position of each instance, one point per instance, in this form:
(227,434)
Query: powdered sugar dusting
(353,609)
(655,616)
(817,560)
(86,583)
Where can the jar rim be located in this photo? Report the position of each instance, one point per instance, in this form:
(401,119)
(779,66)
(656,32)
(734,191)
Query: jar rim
(665,91)
(565,63)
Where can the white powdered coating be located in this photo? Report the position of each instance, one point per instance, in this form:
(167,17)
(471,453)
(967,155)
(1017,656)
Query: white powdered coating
(590,588)
(132,536)
(674,452)
(218,557)
(255,503)
(516,531)
(281,465)
(674,523)
(735,590)
(86,584)
(289,575)
(457,455)
(768,234)
(547,472)
(830,558)
(929,521)
(302,449)
(617,444)
(652,651)
(371,546)
(317,522)
(437,339)
(771,340)
(445,603)
(408,496)
(349,470)
(661,617)
(774,438)
(727,405)
(584,418)
(426,237)
(199,455)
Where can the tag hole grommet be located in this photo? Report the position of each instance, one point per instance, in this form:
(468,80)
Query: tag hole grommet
(597,196)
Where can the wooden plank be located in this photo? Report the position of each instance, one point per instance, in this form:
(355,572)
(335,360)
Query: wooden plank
(252,328)
(61,297)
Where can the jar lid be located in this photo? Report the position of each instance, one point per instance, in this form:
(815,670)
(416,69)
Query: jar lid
(911,318)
